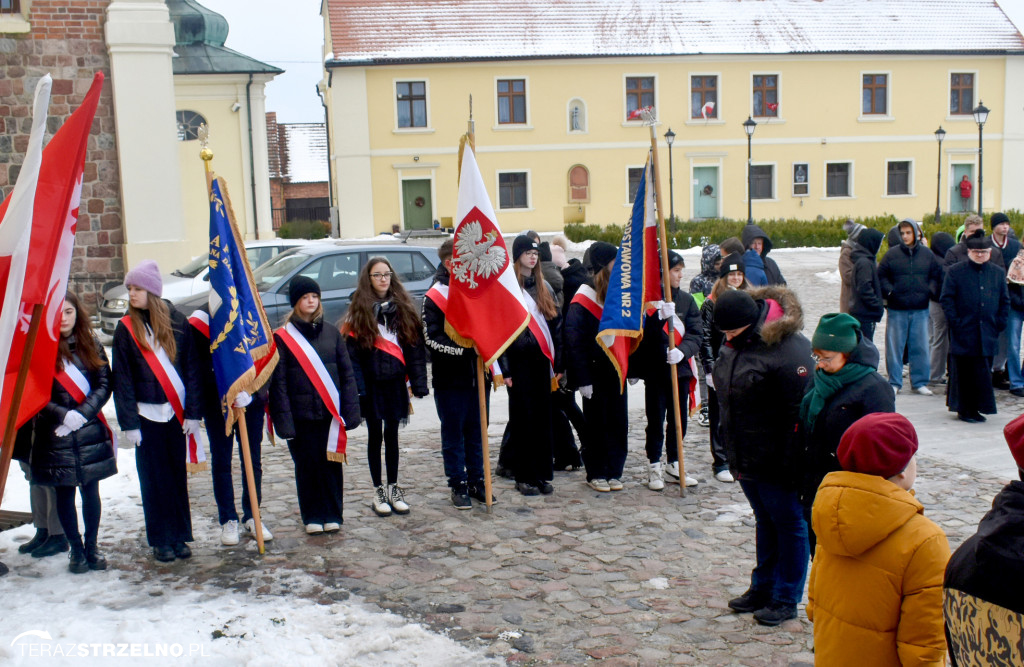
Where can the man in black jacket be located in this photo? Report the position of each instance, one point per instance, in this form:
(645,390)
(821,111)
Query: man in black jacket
(866,303)
(958,253)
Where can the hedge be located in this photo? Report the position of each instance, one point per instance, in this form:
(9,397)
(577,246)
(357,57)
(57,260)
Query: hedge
(304,229)
(791,233)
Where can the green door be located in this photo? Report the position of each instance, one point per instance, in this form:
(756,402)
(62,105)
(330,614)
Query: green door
(705,192)
(956,202)
(416,204)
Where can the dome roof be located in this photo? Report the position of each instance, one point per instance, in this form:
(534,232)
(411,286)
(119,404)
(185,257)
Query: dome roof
(195,24)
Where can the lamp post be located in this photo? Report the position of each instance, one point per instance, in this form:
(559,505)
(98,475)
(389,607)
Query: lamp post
(980,116)
(940,134)
(748,126)
(670,137)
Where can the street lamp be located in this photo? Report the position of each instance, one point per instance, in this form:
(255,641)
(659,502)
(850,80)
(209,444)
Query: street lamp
(980,116)
(748,126)
(940,134)
(670,137)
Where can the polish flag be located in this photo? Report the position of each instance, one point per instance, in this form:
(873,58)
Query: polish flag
(708,110)
(485,303)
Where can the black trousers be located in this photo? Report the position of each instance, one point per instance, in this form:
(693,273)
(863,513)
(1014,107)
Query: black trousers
(529,418)
(221,448)
(319,483)
(607,424)
(719,462)
(970,386)
(566,416)
(659,410)
(160,460)
(91,509)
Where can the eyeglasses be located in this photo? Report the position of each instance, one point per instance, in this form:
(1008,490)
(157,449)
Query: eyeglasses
(821,359)
(382,276)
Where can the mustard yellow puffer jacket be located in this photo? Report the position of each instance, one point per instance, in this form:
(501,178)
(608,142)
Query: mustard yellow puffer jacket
(875,594)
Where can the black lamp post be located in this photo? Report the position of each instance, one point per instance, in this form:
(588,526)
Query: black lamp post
(748,126)
(980,116)
(670,137)
(940,134)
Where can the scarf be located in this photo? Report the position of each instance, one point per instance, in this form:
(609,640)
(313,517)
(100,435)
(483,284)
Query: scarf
(826,385)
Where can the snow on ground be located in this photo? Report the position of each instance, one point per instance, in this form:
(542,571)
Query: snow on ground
(831,277)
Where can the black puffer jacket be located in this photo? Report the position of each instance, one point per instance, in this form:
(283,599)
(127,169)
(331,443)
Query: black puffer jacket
(526,344)
(649,360)
(135,383)
(711,336)
(292,394)
(866,301)
(376,366)
(586,363)
(909,277)
(771,270)
(958,253)
(85,455)
(760,378)
(573,276)
(454,366)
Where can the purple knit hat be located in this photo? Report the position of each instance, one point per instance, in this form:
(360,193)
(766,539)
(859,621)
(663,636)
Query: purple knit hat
(147,276)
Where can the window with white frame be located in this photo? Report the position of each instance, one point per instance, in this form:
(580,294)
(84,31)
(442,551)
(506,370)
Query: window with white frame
(703,97)
(639,94)
(766,95)
(762,181)
(838,176)
(513,190)
(961,93)
(874,95)
(897,177)
(801,179)
(511,101)
(411,98)
(634,175)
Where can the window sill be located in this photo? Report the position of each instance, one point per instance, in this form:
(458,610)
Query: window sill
(13,23)
(873,118)
(766,200)
(511,127)
(909,195)
(966,117)
(701,121)
(413,130)
(806,194)
(827,198)
(769,120)
(516,210)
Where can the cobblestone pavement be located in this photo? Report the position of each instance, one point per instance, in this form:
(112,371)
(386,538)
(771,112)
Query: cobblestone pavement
(630,578)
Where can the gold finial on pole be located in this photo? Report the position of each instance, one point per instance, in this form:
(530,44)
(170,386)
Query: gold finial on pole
(204,151)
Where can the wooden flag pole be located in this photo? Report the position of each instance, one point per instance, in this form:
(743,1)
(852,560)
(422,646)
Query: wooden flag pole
(10,428)
(667,288)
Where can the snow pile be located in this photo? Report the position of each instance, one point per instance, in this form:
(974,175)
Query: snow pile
(830,277)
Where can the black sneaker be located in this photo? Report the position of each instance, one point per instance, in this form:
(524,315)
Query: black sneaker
(750,601)
(527,489)
(775,613)
(460,497)
(478,491)
(54,544)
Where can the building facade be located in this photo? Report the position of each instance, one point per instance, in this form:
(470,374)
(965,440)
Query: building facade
(299,188)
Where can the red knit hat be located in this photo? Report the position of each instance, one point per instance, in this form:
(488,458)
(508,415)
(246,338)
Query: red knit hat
(881,443)
(1014,434)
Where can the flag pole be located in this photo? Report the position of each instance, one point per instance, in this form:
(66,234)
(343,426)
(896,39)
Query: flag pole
(667,288)
(10,428)
(243,432)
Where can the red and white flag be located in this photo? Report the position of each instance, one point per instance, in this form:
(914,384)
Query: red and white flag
(15,245)
(485,302)
(708,110)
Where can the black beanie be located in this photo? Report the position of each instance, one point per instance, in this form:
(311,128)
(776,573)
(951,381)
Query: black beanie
(299,287)
(999,218)
(675,259)
(735,309)
(521,245)
(977,240)
(733,262)
(601,255)
(545,251)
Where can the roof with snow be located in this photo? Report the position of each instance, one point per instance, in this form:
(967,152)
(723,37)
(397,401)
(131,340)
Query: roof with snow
(304,152)
(390,31)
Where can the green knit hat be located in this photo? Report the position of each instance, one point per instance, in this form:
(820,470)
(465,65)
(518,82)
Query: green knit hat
(836,332)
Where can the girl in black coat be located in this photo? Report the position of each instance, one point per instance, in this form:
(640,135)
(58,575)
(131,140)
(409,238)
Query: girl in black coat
(146,414)
(74,446)
(385,343)
(300,414)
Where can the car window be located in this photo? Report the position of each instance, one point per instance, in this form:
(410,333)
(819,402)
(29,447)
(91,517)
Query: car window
(410,265)
(334,272)
(257,256)
(271,273)
(193,268)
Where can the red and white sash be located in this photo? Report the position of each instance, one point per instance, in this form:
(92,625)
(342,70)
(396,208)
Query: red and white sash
(539,327)
(76,384)
(678,330)
(200,319)
(317,373)
(438,293)
(160,364)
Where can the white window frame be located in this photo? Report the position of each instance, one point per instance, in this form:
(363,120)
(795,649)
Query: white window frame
(887,117)
(824,180)
(911,169)
(778,89)
(529,189)
(512,127)
(950,118)
(720,119)
(628,203)
(775,180)
(583,107)
(429,129)
(19,23)
(657,92)
(793,183)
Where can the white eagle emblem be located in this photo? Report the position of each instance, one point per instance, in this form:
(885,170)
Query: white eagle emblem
(476,254)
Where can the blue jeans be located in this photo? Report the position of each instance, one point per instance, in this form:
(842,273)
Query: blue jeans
(907,329)
(782,548)
(1013,326)
(461,445)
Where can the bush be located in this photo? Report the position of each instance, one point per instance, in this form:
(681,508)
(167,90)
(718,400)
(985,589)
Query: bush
(304,229)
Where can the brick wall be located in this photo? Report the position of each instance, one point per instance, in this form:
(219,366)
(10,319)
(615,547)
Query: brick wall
(305,190)
(67,42)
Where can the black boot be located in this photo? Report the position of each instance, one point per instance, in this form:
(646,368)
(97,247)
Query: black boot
(54,544)
(76,560)
(93,557)
(3,569)
(35,542)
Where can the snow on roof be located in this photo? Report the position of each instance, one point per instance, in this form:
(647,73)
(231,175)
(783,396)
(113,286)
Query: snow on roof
(304,154)
(437,30)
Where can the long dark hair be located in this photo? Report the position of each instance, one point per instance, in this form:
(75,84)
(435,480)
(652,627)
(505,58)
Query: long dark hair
(545,302)
(85,342)
(159,322)
(600,282)
(360,319)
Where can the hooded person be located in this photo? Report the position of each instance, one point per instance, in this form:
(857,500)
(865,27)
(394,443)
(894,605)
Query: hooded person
(938,328)
(761,269)
(551,272)
(871,530)
(866,303)
(984,585)
(702,283)
(853,231)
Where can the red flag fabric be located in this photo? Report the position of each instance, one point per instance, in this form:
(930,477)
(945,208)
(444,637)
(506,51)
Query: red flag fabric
(54,218)
(485,302)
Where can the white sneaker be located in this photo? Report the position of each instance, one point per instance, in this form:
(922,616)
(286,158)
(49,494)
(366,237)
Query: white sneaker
(314,528)
(250,527)
(654,480)
(397,498)
(599,484)
(615,485)
(380,502)
(229,533)
(672,469)
(690,481)
(924,391)
(724,476)
(331,527)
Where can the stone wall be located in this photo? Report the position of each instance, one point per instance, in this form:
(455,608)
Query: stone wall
(66,41)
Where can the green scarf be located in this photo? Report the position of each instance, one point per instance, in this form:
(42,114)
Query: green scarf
(825,387)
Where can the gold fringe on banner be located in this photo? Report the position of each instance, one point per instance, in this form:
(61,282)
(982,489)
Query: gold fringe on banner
(337,457)
(195,467)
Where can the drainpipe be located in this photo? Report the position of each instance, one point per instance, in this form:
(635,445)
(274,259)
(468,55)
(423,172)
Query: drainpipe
(252,160)
(327,129)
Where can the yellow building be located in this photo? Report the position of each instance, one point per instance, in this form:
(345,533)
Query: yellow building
(846,97)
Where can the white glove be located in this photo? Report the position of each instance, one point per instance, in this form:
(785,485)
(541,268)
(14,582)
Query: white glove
(587,391)
(632,381)
(74,420)
(62,431)
(710,380)
(666,309)
(191,427)
(133,438)
(242,399)
(674,356)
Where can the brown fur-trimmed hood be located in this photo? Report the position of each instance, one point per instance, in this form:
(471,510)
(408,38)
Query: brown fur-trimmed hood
(792,320)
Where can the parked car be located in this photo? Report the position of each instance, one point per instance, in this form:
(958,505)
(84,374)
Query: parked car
(193,278)
(336,268)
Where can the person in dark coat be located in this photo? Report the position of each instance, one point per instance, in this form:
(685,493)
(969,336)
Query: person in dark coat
(984,584)
(574,274)
(938,329)
(909,275)
(300,414)
(73,445)
(866,303)
(145,413)
(761,377)
(975,300)
(710,260)
(959,253)
(552,273)
(655,359)
(846,387)
(761,269)
(385,345)
(847,284)
(1008,374)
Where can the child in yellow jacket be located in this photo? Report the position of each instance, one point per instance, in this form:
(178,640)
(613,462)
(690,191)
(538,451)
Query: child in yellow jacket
(875,594)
